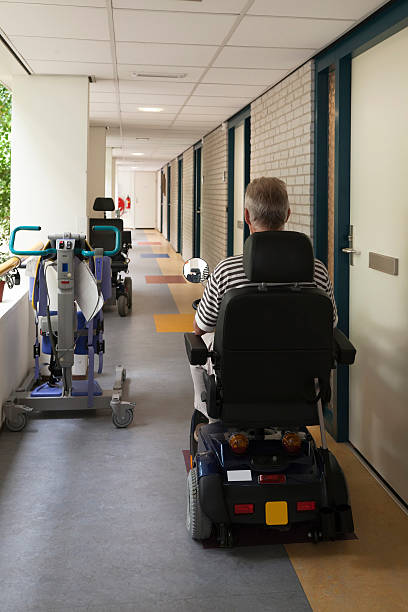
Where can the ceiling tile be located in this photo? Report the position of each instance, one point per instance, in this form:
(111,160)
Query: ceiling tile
(91,3)
(261,57)
(148,118)
(192,74)
(164,27)
(209,89)
(243,76)
(209,110)
(54,21)
(62,49)
(217,101)
(175,55)
(103,71)
(346,9)
(102,107)
(97,96)
(205,6)
(147,87)
(102,86)
(287,32)
(133,108)
(151,99)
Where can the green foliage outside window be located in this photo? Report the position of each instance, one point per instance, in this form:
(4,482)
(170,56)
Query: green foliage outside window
(5,161)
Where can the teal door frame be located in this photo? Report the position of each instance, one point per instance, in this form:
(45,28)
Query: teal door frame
(197,201)
(180,205)
(168,201)
(161,201)
(243,117)
(382,24)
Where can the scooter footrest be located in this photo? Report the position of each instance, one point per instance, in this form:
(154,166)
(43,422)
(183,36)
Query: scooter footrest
(344,519)
(328,524)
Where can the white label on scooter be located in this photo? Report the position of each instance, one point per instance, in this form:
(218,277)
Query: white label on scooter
(239,475)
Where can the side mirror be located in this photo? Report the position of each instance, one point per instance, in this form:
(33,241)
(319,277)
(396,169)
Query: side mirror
(196,270)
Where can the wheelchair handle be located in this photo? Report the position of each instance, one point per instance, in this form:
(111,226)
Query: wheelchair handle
(105,228)
(52,251)
(33,228)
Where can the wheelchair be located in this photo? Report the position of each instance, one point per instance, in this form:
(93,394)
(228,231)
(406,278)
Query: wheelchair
(274,349)
(121,287)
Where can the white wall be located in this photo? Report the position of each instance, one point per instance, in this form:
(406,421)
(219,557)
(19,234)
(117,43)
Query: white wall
(96,168)
(109,174)
(16,340)
(49,154)
(126,187)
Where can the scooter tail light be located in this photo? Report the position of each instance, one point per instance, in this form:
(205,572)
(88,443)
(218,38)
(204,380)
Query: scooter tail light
(271,478)
(243,508)
(305,506)
(238,443)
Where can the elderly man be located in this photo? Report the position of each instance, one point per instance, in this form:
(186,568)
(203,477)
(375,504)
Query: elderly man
(266,208)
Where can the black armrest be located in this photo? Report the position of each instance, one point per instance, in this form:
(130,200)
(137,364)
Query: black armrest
(196,348)
(344,351)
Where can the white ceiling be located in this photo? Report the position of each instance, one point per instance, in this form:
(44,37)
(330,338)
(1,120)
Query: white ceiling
(226,53)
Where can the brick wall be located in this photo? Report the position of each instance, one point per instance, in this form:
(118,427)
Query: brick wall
(214,197)
(282,143)
(188,178)
(173,203)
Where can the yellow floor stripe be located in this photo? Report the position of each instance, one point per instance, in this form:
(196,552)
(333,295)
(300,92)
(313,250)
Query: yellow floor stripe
(174,322)
(369,574)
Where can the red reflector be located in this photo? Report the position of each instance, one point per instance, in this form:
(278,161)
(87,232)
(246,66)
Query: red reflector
(271,478)
(243,508)
(304,506)
(64,282)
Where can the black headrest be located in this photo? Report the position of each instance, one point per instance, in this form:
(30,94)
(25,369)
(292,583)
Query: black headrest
(104,204)
(279,257)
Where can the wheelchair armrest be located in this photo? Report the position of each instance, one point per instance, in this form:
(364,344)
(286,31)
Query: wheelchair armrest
(196,348)
(344,351)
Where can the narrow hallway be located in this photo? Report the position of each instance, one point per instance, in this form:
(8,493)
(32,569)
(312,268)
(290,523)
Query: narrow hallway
(92,518)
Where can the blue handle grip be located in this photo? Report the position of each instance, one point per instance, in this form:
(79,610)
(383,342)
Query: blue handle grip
(34,228)
(106,228)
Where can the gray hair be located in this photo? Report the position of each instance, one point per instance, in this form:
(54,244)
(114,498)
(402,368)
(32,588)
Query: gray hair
(267,202)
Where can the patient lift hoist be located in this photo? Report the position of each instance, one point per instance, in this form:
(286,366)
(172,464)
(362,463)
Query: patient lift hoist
(74,284)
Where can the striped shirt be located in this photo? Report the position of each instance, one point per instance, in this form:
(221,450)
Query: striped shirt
(230,274)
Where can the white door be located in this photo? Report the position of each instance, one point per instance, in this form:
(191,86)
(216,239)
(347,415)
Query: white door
(145,199)
(239,167)
(379,301)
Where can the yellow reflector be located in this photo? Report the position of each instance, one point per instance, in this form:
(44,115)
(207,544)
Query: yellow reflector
(276,513)
(238,443)
(291,442)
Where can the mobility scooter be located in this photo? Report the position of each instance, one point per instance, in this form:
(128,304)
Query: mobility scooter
(121,287)
(274,349)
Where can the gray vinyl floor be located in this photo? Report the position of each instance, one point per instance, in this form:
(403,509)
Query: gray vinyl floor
(92,518)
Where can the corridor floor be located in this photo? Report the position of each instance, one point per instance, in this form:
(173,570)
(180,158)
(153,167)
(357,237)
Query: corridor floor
(92,518)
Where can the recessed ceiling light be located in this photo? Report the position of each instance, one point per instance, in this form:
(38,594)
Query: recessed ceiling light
(138,154)
(142,139)
(150,109)
(159,75)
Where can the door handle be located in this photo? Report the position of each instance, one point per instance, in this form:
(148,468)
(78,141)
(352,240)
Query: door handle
(350,250)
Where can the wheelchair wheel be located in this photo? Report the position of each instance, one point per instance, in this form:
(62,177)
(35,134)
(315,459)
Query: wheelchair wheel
(196,419)
(123,305)
(128,290)
(18,423)
(198,524)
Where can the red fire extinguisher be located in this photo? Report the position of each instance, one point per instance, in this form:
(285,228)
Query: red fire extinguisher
(128,203)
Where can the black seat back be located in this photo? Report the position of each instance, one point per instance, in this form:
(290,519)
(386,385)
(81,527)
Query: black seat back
(273,341)
(105,240)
